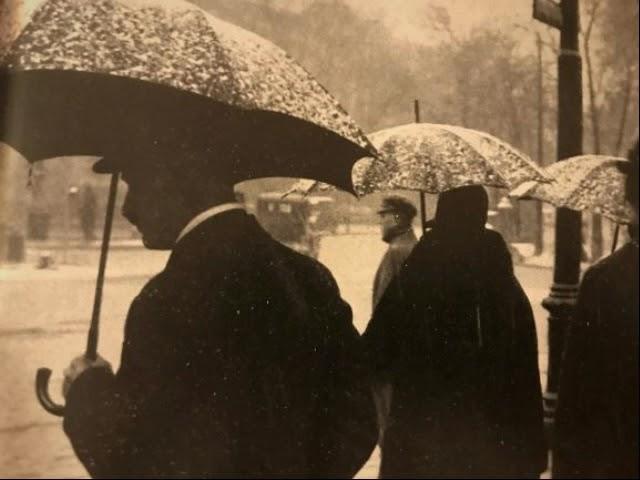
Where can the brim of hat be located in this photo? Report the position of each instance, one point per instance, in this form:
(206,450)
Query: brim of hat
(105,165)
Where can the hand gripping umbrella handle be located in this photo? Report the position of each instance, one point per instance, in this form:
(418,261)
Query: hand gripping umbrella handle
(44,374)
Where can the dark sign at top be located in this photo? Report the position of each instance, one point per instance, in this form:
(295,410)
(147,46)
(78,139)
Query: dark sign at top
(549,12)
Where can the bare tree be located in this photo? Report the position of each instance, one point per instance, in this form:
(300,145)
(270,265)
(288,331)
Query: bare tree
(620,27)
(631,74)
(594,115)
(593,105)
(610,48)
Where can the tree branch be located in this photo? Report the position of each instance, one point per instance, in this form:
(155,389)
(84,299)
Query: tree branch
(625,109)
(592,18)
(550,42)
(593,108)
(440,21)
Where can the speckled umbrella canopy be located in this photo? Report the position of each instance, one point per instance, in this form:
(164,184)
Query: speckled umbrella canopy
(585,182)
(168,59)
(434,158)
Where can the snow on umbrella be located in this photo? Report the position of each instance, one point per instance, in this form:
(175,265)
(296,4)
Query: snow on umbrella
(434,158)
(127,55)
(368,175)
(162,81)
(585,182)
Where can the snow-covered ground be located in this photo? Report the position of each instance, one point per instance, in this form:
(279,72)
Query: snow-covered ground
(44,316)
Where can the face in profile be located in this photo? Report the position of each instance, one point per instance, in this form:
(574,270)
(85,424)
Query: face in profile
(389,222)
(153,205)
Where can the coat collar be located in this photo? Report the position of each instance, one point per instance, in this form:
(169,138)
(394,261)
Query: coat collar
(210,212)
(406,236)
(215,236)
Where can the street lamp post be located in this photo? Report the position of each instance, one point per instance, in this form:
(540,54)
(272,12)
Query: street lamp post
(566,276)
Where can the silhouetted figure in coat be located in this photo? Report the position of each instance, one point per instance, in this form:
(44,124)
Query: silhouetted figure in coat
(596,434)
(239,359)
(457,342)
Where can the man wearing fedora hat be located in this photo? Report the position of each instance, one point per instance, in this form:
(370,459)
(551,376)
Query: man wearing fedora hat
(396,218)
(239,358)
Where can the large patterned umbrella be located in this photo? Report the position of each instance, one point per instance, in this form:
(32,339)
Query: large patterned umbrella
(134,78)
(163,82)
(434,158)
(585,182)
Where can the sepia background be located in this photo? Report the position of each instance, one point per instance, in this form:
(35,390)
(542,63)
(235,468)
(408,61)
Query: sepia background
(476,63)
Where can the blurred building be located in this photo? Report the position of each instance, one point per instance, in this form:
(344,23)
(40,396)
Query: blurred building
(41,203)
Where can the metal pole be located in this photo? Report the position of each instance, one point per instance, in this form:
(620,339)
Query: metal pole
(44,374)
(616,234)
(566,275)
(67,228)
(92,339)
(423,200)
(423,211)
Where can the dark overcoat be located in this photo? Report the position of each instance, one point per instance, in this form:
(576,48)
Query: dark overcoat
(596,432)
(457,342)
(239,360)
(399,249)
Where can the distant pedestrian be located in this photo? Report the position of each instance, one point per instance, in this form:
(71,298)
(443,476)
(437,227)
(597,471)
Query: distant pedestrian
(597,418)
(454,334)
(396,222)
(88,205)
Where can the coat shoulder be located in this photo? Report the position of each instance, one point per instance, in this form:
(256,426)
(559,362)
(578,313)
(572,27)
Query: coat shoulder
(614,263)
(397,254)
(611,285)
(495,237)
(402,248)
(308,269)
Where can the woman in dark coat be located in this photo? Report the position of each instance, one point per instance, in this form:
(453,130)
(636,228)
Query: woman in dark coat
(597,419)
(457,341)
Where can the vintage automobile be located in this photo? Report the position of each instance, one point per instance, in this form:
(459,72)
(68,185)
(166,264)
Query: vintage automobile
(295,220)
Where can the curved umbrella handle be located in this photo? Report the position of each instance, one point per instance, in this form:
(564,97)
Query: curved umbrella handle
(42,392)
(44,374)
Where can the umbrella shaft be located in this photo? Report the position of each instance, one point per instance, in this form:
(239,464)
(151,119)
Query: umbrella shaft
(92,340)
(616,233)
(423,211)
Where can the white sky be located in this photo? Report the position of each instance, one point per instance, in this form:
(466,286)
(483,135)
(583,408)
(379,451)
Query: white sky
(406,18)
(401,15)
